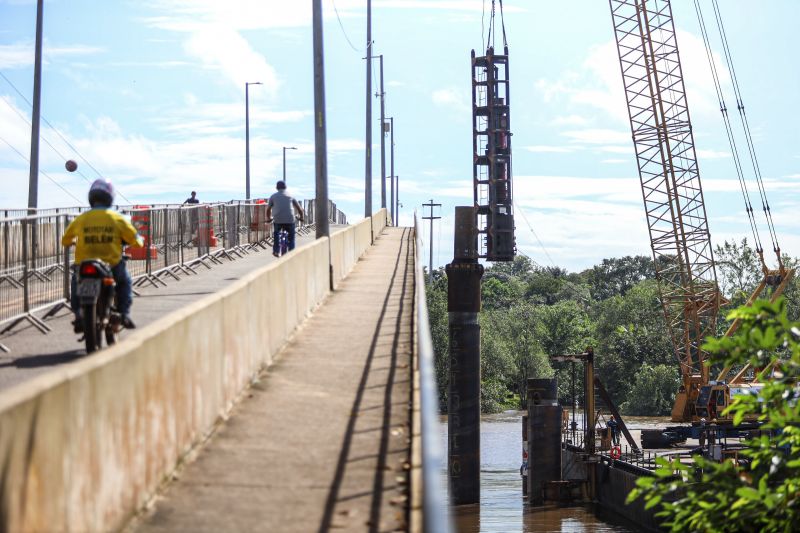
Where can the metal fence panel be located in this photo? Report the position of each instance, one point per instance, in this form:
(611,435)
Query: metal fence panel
(35,268)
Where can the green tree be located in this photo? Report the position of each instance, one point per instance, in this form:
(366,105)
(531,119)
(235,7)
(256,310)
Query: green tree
(630,330)
(495,361)
(738,269)
(764,493)
(436,298)
(564,328)
(653,391)
(616,276)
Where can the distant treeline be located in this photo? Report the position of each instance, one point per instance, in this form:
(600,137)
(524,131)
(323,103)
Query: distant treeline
(531,313)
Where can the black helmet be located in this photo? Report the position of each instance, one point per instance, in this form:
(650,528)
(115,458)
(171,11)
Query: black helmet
(101,193)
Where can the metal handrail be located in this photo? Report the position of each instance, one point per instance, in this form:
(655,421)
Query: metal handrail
(435,514)
(34,268)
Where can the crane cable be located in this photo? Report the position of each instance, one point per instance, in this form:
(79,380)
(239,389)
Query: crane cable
(729,131)
(492,34)
(748,136)
(519,210)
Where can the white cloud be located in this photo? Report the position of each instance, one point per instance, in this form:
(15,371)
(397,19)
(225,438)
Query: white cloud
(712,154)
(597,136)
(20,55)
(570,120)
(452,98)
(615,161)
(539,149)
(598,84)
(223,48)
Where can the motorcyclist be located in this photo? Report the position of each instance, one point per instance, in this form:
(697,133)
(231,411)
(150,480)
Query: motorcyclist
(99,234)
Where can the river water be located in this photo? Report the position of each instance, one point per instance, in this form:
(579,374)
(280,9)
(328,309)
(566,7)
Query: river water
(502,508)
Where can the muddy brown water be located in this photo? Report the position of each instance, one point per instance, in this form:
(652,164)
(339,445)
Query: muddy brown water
(502,508)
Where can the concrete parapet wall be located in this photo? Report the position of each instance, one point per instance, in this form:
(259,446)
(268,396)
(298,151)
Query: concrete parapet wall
(87,444)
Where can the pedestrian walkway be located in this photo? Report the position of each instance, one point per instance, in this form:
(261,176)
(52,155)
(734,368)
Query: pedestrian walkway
(322,440)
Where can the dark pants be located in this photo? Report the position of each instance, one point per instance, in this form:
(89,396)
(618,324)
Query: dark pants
(290,239)
(124,289)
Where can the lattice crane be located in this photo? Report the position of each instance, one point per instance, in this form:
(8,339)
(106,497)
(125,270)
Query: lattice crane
(670,180)
(673,194)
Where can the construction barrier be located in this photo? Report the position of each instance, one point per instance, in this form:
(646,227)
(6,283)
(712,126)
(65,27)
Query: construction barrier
(205,232)
(140,217)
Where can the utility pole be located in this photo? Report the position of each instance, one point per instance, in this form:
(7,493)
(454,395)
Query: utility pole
(247,137)
(320,137)
(383,140)
(33,179)
(391,167)
(431,218)
(368,154)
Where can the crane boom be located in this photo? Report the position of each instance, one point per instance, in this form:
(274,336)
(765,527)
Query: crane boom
(670,181)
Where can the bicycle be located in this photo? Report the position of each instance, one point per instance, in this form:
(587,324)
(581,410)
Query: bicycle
(282,238)
(283,242)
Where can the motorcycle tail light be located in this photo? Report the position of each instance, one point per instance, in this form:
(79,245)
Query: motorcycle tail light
(88,269)
(108,281)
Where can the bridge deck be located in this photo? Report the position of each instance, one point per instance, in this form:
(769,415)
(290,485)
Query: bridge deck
(34,353)
(322,440)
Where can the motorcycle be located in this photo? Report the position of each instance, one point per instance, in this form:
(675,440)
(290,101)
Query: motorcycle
(96,291)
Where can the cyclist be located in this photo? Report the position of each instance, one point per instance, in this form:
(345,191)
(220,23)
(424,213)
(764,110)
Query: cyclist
(99,234)
(283,204)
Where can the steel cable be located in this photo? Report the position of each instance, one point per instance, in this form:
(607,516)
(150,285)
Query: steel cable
(729,131)
(746,127)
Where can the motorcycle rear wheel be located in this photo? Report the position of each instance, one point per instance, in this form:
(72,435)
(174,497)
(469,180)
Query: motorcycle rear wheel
(92,330)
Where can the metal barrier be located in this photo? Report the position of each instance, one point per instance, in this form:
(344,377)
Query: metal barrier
(435,514)
(35,268)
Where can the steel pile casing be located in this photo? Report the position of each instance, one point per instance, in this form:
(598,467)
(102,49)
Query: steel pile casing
(544,438)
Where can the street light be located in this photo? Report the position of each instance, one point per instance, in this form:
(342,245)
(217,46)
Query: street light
(284,160)
(247,135)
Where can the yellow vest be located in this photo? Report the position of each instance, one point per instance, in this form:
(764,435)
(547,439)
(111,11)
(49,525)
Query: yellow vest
(99,234)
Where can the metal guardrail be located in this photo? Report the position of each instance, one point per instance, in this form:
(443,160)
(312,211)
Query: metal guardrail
(336,217)
(435,513)
(35,268)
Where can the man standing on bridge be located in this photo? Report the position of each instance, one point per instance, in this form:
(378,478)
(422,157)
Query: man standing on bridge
(284,206)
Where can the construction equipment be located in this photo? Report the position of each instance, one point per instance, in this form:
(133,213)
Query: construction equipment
(673,196)
(491,147)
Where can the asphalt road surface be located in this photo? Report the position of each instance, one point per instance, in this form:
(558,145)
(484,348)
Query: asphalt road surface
(33,353)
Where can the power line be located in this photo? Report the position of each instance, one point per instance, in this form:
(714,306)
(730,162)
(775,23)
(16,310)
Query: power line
(342,27)
(89,164)
(42,171)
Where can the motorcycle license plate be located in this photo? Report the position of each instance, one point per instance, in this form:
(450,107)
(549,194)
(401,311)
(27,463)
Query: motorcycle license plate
(89,288)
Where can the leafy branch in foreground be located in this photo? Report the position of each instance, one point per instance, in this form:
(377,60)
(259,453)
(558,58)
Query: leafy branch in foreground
(760,492)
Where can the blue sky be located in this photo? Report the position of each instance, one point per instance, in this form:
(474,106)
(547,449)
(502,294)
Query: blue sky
(151,92)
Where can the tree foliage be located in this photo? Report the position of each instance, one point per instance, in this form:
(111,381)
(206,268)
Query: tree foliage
(762,492)
(531,313)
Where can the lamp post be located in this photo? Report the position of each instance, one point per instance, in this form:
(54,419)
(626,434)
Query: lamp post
(320,134)
(391,171)
(284,160)
(33,179)
(247,136)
